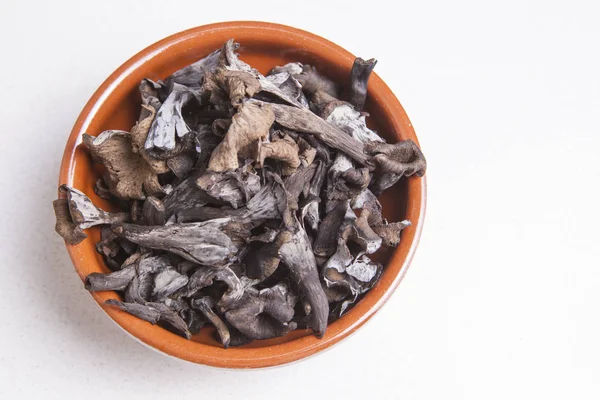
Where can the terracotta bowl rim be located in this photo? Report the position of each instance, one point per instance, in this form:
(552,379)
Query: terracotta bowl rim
(296,349)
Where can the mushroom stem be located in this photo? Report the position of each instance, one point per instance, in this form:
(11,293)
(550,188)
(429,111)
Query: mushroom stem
(359,77)
(297,254)
(204,305)
(117,280)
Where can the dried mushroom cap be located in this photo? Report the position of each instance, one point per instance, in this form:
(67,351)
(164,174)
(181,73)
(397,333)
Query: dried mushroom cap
(141,287)
(205,276)
(313,82)
(289,85)
(271,202)
(185,196)
(262,260)
(290,68)
(284,150)
(390,232)
(371,210)
(167,282)
(202,242)
(205,305)
(182,164)
(250,126)
(395,161)
(231,62)
(169,122)
(85,213)
(359,78)
(263,315)
(130,176)
(235,187)
(139,134)
(362,268)
(403,158)
(172,319)
(65,227)
(352,122)
(231,87)
(345,182)
(361,233)
(192,75)
(325,243)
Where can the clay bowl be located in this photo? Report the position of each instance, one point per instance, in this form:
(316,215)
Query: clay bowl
(115,105)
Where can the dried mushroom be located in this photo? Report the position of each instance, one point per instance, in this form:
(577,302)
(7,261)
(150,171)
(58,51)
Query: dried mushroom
(169,122)
(202,242)
(263,314)
(230,87)
(395,161)
(285,150)
(359,77)
(245,202)
(249,127)
(77,212)
(131,177)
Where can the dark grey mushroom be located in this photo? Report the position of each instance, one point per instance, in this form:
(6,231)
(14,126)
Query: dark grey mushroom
(153,211)
(193,75)
(205,305)
(234,188)
(167,282)
(205,276)
(202,242)
(141,287)
(117,280)
(297,254)
(142,311)
(283,78)
(263,314)
(371,210)
(358,278)
(359,77)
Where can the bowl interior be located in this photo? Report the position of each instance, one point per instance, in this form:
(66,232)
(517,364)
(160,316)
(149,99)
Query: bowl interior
(116,106)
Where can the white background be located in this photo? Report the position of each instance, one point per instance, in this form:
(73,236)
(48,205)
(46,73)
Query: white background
(502,298)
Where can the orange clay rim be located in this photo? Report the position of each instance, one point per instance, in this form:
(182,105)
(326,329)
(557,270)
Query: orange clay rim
(297,349)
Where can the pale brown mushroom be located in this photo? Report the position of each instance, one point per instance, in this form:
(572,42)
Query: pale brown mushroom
(249,127)
(230,87)
(284,150)
(130,176)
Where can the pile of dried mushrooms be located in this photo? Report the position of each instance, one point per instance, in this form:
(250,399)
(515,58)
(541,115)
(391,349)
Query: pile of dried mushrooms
(248,202)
